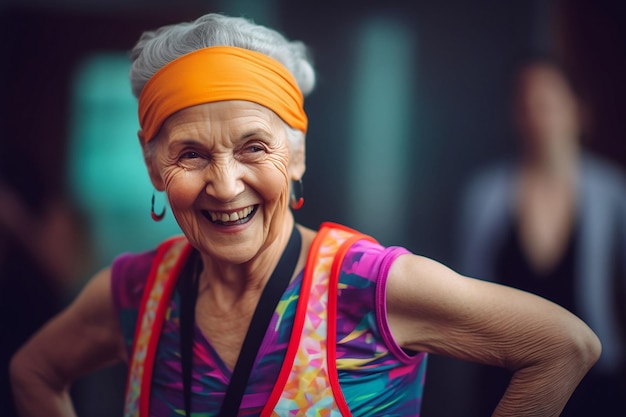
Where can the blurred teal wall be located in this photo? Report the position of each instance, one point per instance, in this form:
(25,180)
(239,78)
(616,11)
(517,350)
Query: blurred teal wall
(106,174)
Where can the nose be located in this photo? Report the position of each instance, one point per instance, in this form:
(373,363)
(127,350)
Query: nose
(224,180)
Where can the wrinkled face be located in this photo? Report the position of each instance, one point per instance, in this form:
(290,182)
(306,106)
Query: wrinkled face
(225,167)
(546,109)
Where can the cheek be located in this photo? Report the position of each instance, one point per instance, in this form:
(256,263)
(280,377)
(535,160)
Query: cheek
(182,188)
(275,181)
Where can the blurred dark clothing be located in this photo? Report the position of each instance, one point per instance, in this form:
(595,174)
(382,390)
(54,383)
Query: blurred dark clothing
(554,284)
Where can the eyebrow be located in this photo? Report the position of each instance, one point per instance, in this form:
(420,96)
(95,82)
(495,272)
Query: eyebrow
(261,133)
(182,142)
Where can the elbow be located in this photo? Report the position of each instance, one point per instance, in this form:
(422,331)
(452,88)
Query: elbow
(586,347)
(17,375)
(25,374)
(26,383)
(593,349)
(15,367)
(19,371)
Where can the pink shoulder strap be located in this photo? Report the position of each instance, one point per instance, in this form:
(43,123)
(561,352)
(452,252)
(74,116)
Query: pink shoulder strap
(169,260)
(308,377)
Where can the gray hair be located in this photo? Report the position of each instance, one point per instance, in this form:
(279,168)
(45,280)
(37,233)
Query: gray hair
(156,48)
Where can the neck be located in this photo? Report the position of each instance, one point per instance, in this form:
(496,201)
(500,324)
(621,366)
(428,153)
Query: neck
(229,283)
(553,162)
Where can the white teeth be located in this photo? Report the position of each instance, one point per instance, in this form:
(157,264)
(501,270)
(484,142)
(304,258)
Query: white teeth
(232,217)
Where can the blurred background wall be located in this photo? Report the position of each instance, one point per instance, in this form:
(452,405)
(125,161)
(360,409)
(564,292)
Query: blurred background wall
(412,98)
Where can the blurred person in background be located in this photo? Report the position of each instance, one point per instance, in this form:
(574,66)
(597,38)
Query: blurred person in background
(553,222)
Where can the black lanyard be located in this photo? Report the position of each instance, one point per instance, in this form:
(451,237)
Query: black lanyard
(270,297)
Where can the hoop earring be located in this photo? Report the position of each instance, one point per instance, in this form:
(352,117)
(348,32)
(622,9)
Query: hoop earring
(156,217)
(296,198)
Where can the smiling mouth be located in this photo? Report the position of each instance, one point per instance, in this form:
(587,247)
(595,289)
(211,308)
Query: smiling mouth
(232,218)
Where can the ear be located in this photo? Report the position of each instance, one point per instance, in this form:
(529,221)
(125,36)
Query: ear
(297,161)
(148,151)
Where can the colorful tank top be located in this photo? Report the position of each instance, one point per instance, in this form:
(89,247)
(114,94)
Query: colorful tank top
(364,373)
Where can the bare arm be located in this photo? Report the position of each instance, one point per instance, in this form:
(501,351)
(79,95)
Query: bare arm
(433,309)
(84,337)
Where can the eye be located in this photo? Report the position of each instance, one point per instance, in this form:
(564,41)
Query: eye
(190,155)
(192,160)
(255,148)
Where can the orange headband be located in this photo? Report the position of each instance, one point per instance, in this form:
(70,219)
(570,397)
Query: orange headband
(215,74)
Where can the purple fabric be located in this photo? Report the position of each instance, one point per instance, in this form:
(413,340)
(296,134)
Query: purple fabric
(393,378)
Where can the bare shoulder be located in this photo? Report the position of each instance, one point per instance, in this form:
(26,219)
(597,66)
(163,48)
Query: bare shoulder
(419,283)
(434,309)
(424,298)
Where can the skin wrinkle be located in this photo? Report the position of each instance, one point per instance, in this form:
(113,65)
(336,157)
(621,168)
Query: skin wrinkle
(527,351)
(495,325)
(560,355)
(515,392)
(223,167)
(226,175)
(485,349)
(221,157)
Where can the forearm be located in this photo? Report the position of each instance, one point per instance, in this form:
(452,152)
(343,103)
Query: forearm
(547,348)
(35,396)
(543,389)
(85,337)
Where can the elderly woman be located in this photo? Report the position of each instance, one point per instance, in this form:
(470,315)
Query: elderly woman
(251,314)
